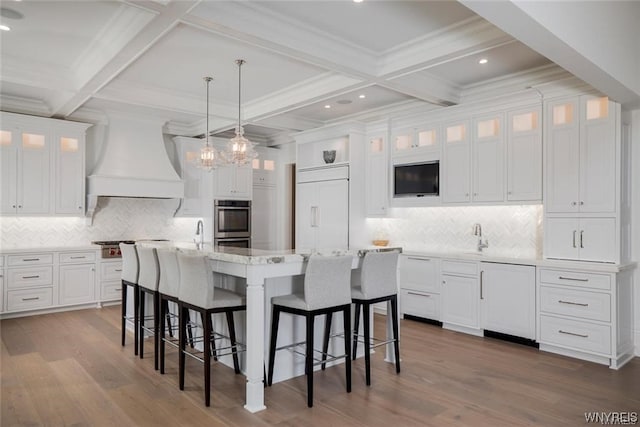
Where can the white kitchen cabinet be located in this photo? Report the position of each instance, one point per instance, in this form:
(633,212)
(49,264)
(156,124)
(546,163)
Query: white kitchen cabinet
(488,158)
(77,283)
(456,163)
(70,172)
(263,217)
(420,286)
(581,155)
(524,154)
(193,177)
(377,175)
(586,314)
(29,281)
(415,140)
(2,273)
(25,152)
(110,280)
(584,239)
(460,296)
(507,299)
(322,208)
(233,182)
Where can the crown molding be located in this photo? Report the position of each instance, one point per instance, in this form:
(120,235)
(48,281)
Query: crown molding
(15,104)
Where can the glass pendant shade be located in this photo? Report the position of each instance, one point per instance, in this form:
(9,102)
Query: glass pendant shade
(209,156)
(240,150)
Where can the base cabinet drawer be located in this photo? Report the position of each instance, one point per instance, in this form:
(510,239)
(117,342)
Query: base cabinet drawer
(421,304)
(576,335)
(111,291)
(27,299)
(576,303)
(30,276)
(575,278)
(31,259)
(419,273)
(111,271)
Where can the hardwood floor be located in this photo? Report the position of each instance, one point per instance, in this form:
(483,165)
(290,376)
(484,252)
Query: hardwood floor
(70,369)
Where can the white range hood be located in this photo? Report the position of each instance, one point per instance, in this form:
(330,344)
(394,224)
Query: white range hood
(134,163)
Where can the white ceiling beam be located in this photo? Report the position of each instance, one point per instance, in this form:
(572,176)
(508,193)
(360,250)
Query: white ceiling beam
(166,20)
(571,34)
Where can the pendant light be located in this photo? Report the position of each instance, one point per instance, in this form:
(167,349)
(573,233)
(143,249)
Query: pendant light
(209,156)
(240,150)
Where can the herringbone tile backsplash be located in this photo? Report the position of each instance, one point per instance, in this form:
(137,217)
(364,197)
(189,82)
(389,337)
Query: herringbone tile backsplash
(511,230)
(115,218)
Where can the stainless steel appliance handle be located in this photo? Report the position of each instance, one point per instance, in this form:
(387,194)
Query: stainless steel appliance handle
(574,239)
(481,283)
(581,239)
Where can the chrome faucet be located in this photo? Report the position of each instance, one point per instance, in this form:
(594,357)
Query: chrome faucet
(199,235)
(477,231)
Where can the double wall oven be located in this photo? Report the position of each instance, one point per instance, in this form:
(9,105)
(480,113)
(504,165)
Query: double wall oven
(232,223)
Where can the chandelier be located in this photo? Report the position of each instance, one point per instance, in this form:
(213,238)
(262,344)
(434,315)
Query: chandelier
(209,156)
(240,150)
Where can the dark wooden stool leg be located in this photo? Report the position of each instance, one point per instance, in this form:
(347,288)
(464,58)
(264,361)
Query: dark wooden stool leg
(142,299)
(327,335)
(212,341)
(167,315)
(136,318)
(394,319)
(232,337)
(309,359)
(275,319)
(124,311)
(189,330)
(182,321)
(207,358)
(356,327)
(367,341)
(347,344)
(156,327)
(164,309)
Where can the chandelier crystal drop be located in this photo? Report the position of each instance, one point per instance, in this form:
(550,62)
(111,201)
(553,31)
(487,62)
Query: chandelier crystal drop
(209,156)
(240,150)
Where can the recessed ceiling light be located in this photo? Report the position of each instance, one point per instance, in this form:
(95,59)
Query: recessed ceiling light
(327,106)
(357,1)
(363,96)
(483,61)
(4,28)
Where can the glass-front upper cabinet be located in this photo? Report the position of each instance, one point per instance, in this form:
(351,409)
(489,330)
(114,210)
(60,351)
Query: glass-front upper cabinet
(420,138)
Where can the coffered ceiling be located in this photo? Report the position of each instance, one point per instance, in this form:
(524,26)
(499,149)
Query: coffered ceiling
(80,59)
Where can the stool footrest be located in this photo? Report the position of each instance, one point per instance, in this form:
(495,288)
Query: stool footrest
(330,357)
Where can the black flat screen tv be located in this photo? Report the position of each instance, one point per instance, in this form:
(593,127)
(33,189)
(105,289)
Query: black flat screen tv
(417,180)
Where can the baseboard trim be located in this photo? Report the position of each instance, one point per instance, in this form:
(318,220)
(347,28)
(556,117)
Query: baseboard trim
(423,320)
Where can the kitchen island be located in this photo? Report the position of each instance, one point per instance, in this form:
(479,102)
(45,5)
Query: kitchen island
(265,274)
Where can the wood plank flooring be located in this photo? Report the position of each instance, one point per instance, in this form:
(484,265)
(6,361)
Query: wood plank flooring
(70,369)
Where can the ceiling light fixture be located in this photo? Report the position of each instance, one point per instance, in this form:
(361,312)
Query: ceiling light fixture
(209,156)
(240,150)
(4,28)
(327,106)
(357,1)
(483,61)
(363,96)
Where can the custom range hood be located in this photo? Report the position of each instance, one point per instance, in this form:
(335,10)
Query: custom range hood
(134,163)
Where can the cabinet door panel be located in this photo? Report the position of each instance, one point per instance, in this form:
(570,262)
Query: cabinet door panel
(33,180)
(460,300)
(524,151)
(419,273)
(561,238)
(377,184)
(597,239)
(332,215)
(507,298)
(488,159)
(8,186)
(243,182)
(263,217)
(457,166)
(70,176)
(306,202)
(77,283)
(562,187)
(597,162)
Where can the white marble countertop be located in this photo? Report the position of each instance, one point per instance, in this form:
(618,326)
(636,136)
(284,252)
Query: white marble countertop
(31,249)
(503,258)
(258,256)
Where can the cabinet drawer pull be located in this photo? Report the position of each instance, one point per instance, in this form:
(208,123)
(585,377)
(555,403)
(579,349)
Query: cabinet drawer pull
(78,257)
(571,333)
(418,259)
(574,239)
(481,293)
(420,295)
(581,239)
(30,259)
(119,270)
(118,289)
(31,299)
(573,303)
(574,279)
(30,277)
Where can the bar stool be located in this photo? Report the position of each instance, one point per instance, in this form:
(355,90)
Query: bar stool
(197,293)
(326,291)
(148,284)
(378,283)
(129,277)
(168,288)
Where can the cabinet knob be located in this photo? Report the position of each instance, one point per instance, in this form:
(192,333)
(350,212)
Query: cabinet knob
(466,194)
(581,203)
(573,203)
(79,207)
(13,206)
(20,206)
(508,192)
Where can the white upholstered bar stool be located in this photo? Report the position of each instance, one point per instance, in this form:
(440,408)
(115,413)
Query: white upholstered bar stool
(327,290)
(129,277)
(197,293)
(148,284)
(378,283)
(168,288)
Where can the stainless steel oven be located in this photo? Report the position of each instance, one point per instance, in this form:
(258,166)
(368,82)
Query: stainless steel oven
(232,219)
(241,242)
